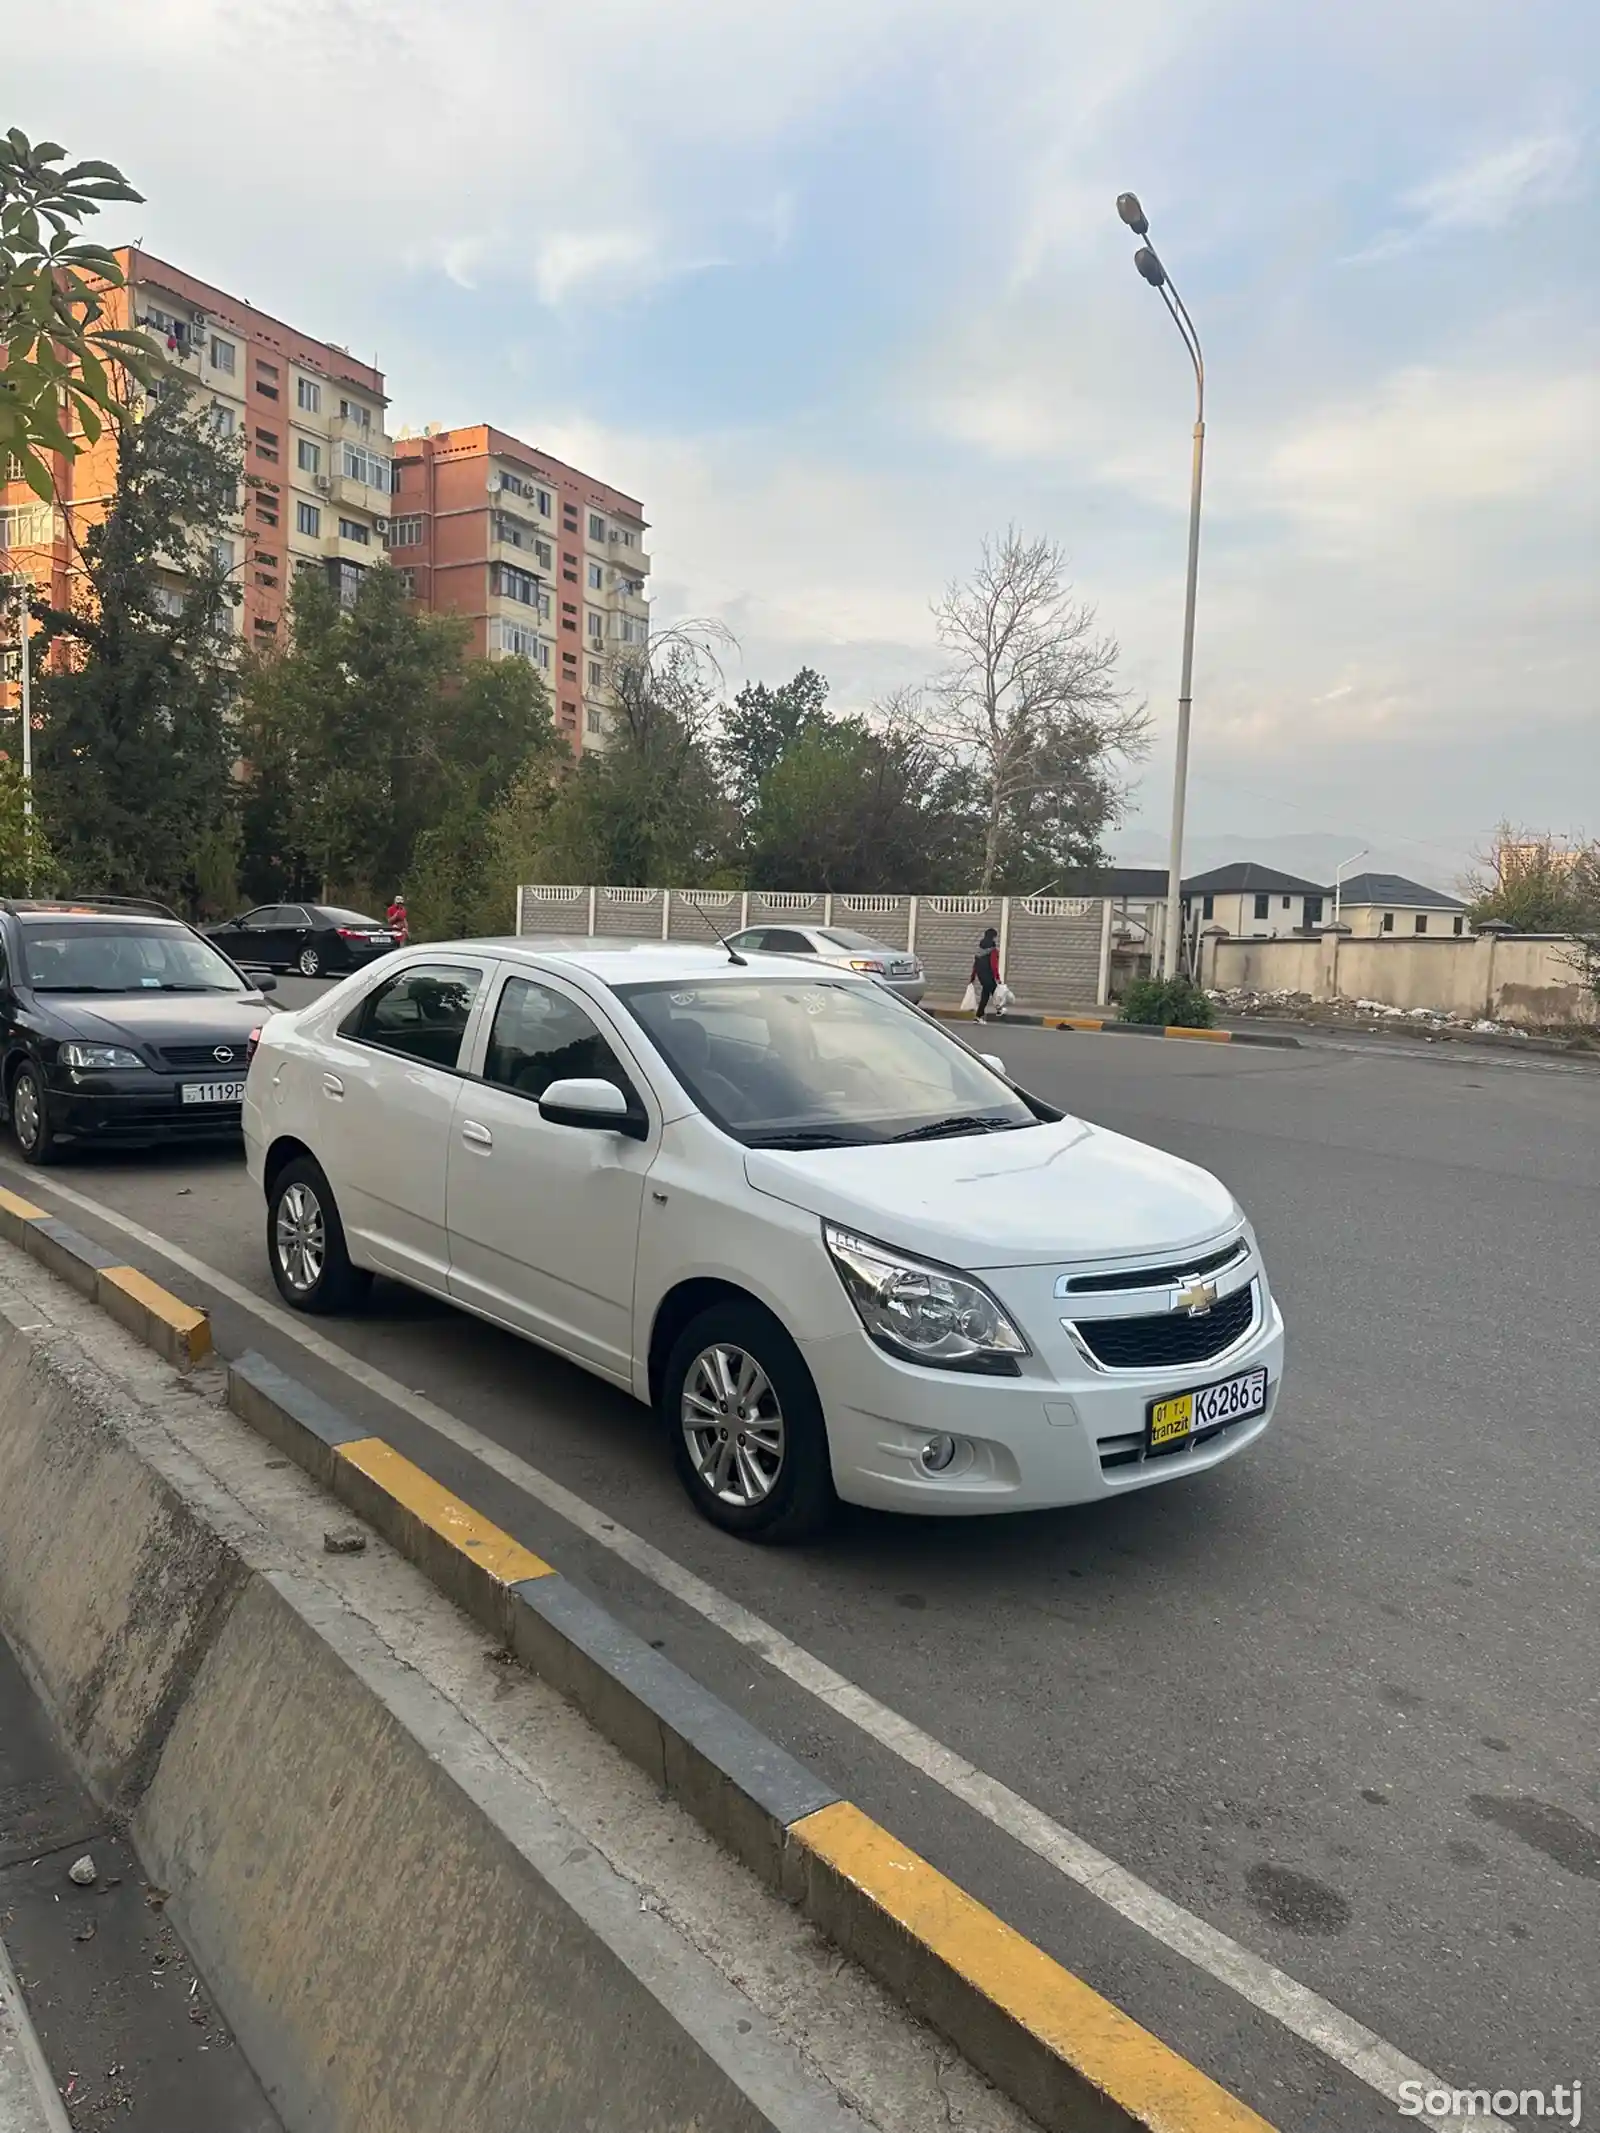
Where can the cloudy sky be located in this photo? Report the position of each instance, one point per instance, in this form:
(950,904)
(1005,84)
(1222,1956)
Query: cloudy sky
(837,286)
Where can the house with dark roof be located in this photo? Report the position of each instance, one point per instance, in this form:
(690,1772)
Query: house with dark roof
(1388,903)
(1252,902)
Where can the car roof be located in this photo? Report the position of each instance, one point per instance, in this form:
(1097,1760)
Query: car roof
(36,907)
(629,962)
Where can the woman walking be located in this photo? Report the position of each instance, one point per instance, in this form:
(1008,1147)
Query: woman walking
(986,970)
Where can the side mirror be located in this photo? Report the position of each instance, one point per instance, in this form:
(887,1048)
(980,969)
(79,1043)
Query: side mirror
(266,982)
(599,1105)
(993,1059)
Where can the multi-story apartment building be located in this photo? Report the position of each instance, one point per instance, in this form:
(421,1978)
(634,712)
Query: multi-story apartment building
(546,563)
(312,422)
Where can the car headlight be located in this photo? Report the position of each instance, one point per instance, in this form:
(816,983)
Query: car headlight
(923,1313)
(98,1055)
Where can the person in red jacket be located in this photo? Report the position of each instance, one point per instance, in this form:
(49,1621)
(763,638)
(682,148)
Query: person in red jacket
(986,970)
(399,924)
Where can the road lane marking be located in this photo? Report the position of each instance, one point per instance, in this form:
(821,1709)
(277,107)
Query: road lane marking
(1316,2021)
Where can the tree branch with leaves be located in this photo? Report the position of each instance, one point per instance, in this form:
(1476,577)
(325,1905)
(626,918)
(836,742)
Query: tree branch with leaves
(61,357)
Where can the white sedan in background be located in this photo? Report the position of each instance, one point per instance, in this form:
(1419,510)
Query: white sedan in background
(840,1253)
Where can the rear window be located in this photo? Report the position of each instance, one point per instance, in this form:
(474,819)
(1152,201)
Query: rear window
(352,918)
(841,938)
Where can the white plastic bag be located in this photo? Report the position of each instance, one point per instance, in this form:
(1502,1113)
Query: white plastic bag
(1003,997)
(969,1000)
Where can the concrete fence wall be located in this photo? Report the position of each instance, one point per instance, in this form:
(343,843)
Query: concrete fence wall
(1522,978)
(1055,951)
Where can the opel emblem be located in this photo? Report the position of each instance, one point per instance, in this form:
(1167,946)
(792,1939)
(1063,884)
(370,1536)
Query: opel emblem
(1196,1298)
(223,1055)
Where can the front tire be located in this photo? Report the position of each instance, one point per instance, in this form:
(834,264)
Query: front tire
(309,962)
(30,1117)
(305,1243)
(746,1427)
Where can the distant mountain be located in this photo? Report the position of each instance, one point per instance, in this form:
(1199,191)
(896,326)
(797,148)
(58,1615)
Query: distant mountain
(1312,855)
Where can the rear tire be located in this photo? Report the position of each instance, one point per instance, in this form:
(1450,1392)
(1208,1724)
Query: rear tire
(30,1117)
(770,1480)
(309,963)
(305,1243)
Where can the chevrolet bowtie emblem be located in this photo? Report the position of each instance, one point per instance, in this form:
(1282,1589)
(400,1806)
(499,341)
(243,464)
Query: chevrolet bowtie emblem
(1196,1299)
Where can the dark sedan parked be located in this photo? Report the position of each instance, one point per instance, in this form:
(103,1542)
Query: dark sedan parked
(119,1023)
(315,939)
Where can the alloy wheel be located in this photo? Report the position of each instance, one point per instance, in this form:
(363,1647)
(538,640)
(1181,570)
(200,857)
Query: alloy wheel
(733,1425)
(302,1238)
(26,1114)
(310,963)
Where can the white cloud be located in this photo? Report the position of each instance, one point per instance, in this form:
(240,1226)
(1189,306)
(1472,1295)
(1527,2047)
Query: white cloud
(1487,191)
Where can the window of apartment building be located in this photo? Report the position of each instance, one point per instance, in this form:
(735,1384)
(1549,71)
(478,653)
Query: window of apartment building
(265,626)
(351,529)
(266,511)
(511,584)
(621,533)
(569,712)
(1422,922)
(353,411)
(309,456)
(368,467)
(222,554)
(544,606)
(267,445)
(167,600)
(308,519)
(406,533)
(597,628)
(309,393)
(345,579)
(408,583)
(1388,922)
(597,577)
(633,629)
(542,554)
(541,498)
(266,578)
(266,379)
(223,419)
(222,354)
(28,526)
(597,673)
(594,720)
(1459,925)
(1263,906)
(597,527)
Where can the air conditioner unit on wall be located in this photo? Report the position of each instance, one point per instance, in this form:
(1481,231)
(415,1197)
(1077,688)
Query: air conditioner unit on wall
(325,484)
(381,526)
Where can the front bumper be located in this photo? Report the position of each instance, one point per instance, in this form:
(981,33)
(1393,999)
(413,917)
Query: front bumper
(144,1108)
(1030,1443)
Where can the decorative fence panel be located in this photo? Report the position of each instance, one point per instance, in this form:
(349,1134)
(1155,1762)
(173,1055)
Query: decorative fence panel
(1055,951)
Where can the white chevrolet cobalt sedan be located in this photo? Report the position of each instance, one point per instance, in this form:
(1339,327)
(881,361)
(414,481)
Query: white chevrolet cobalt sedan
(839,1253)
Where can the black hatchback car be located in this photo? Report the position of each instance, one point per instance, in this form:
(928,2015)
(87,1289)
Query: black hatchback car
(118,1022)
(314,939)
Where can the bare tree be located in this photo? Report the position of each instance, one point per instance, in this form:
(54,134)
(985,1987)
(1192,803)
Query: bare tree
(1031,703)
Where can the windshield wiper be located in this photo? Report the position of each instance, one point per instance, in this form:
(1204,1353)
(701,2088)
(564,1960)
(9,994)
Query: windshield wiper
(804,1137)
(944,1128)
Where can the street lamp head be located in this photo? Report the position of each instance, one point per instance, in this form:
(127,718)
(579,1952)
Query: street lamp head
(1132,214)
(1149,266)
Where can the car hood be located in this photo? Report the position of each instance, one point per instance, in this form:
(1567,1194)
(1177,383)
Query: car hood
(159,1018)
(1047,1193)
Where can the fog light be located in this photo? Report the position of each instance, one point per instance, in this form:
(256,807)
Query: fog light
(938,1453)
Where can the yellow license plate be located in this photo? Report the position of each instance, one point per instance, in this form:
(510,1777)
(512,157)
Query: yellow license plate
(1171,1420)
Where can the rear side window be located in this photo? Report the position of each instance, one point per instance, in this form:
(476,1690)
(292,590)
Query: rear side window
(782,940)
(540,1036)
(421,1014)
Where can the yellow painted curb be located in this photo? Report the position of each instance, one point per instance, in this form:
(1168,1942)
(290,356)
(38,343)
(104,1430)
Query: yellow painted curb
(1201,1036)
(1074,1022)
(420,1499)
(15,1215)
(174,1329)
(1046,2037)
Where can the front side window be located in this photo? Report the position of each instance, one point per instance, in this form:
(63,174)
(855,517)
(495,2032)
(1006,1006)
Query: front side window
(421,1014)
(819,1062)
(122,957)
(540,1036)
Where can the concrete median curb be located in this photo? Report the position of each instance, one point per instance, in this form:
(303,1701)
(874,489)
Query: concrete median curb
(1112,1026)
(151,1313)
(1043,2036)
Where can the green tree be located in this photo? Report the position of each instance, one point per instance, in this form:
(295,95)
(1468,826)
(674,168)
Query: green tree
(27,865)
(761,725)
(648,808)
(857,806)
(58,357)
(1528,882)
(137,742)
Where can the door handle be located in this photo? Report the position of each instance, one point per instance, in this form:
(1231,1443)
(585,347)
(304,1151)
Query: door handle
(332,1085)
(476,1136)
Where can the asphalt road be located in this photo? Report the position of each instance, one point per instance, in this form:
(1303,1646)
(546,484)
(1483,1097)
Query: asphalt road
(1337,1699)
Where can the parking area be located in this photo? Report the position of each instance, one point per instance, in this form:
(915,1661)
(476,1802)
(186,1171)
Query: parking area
(1332,1707)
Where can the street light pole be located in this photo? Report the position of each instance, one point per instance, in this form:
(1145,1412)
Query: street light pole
(1155,273)
(1340,872)
(20,589)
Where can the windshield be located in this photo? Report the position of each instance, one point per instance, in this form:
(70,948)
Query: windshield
(802,1063)
(118,957)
